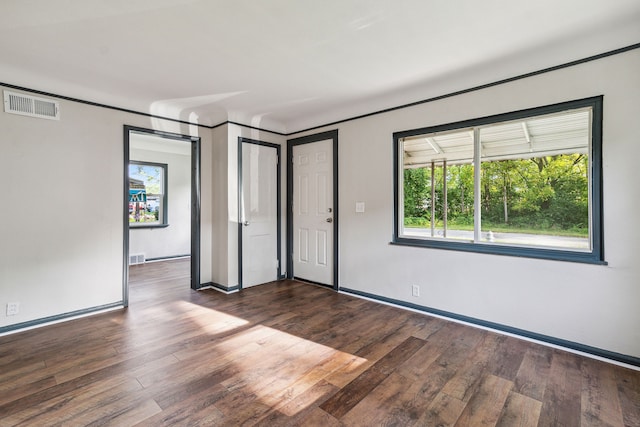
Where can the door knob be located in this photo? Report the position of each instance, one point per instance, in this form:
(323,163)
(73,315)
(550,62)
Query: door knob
(246,223)
(329,219)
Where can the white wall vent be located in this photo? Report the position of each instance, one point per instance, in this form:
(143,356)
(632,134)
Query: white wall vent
(27,105)
(136,259)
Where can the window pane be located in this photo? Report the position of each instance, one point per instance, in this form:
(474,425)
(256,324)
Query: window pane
(535,181)
(146,193)
(151,175)
(438,186)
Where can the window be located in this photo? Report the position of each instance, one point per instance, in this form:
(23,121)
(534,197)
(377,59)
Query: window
(536,192)
(147,194)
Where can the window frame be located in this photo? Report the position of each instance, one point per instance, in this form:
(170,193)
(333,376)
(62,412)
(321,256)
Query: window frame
(593,256)
(164,222)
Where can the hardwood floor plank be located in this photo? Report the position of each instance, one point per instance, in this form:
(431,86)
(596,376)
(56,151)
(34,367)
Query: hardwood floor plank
(423,389)
(297,410)
(447,346)
(628,383)
(349,371)
(130,415)
(376,346)
(98,377)
(485,406)
(561,405)
(85,364)
(18,374)
(118,412)
(314,376)
(74,403)
(241,407)
(520,411)
(368,338)
(508,357)
(444,410)
(23,381)
(343,401)
(19,390)
(245,337)
(196,410)
(269,385)
(318,417)
(426,327)
(600,403)
(290,353)
(531,379)
(390,403)
(171,393)
(468,378)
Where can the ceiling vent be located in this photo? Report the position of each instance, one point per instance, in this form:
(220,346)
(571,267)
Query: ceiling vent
(27,105)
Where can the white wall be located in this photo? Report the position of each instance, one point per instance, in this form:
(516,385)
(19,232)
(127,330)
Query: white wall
(61,195)
(219,200)
(175,239)
(589,304)
(57,256)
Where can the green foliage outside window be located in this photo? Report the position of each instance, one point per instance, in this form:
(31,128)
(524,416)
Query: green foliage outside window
(546,194)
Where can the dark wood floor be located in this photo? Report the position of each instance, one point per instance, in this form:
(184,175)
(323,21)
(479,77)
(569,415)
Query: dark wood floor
(288,353)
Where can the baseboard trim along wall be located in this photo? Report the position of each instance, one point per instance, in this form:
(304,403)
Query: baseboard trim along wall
(219,287)
(18,327)
(569,345)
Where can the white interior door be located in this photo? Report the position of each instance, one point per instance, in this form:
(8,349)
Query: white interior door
(259,214)
(313,211)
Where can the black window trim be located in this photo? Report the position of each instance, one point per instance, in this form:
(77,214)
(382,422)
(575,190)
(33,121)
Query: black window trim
(165,198)
(595,256)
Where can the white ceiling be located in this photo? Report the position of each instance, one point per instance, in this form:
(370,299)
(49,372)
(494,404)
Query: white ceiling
(287,65)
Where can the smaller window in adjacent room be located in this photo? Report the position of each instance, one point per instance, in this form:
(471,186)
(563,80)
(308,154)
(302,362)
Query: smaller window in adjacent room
(147,194)
(536,191)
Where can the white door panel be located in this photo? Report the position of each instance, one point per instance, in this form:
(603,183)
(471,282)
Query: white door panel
(259,214)
(313,211)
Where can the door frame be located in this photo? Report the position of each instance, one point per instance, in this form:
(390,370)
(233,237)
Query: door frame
(195,204)
(242,140)
(332,135)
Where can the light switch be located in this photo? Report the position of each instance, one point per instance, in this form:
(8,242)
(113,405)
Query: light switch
(359,207)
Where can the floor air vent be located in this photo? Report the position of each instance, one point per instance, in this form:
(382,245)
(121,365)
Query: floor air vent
(136,259)
(27,105)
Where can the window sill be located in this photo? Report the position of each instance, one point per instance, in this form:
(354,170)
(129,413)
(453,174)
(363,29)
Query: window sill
(135,227)
(517,251)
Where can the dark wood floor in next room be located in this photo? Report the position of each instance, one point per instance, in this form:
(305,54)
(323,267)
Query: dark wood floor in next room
(289,353)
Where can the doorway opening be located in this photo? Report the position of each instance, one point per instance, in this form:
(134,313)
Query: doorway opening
(161,200)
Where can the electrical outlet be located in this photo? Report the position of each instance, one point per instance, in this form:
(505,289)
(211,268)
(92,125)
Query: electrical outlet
(415,290)
(13,308)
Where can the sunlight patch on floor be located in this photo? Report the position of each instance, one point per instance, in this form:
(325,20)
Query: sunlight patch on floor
(209,320)
(301,364)
(276,382)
